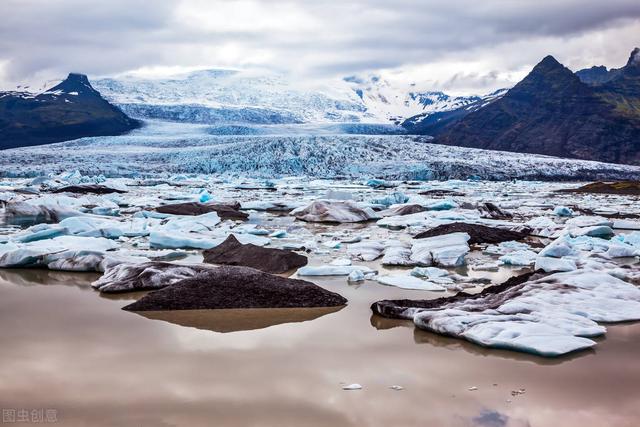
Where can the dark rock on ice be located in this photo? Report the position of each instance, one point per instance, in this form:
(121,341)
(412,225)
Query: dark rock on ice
(224,211)
(237,287)
(232,252)
(479,233)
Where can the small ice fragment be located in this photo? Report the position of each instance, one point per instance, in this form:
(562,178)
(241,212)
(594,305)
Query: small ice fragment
(473,388)
(278,234)
(396,387)
(356,276)
(352,387)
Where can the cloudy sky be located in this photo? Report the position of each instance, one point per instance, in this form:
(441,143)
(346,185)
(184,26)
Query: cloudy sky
(462,46)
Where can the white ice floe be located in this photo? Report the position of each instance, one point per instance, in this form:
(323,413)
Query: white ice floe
(447,250)
(563,211)
(625,224)
(367,250)
(550,316)
(551,265)
(340,211)
(275,206)
(356,276)
(409,282)
(191,224)
(179,240)
(519,258)
(333,270)
(70,253)
(506,247)
(47,211)
(398,254)
(352,387)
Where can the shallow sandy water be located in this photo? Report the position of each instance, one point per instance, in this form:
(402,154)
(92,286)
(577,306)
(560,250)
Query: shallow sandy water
(67,348)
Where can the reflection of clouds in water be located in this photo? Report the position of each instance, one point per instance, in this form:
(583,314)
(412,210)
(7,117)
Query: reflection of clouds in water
(99,365)
(492,418)
(489,418)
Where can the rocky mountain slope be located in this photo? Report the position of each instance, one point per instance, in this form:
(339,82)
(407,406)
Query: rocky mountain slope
(69,110)
(553,112)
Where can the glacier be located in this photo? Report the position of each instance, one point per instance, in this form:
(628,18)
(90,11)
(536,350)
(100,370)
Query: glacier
(162,149)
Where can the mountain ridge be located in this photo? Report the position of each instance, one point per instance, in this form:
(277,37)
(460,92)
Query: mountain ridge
(553,112)
(69,110)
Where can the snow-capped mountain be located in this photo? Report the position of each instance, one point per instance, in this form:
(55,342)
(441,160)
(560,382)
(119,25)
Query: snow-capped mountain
(397,103)
(240,96)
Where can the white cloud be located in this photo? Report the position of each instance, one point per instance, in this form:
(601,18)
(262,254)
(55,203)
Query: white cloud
(459,45)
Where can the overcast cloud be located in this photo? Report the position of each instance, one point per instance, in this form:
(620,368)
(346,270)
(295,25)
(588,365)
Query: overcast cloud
(462,46)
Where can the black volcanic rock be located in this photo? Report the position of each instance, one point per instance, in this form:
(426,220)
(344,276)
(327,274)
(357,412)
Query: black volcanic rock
(69,110)
(479,233)
(87,189)
(224,211)
(232,252)
(552,112)
(237,287)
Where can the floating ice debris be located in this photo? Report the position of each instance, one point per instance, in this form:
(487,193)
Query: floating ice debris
(334,211)
(519,258)
(332,270)
(447,250)
(352,387)
(394,198)
(562,211)
(69,253)
(547,316)
(356,276)
(506,247)
(145,276)
(429,272)
(550,264)
(367,250)
(396,387)
(409,282)
(398,255)
(341,262)
(473,388)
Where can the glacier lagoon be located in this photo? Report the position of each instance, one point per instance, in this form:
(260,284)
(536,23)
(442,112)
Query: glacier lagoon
(290,365)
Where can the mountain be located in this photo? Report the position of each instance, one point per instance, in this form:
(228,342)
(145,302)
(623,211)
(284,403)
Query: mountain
(69,110)
(396,103)
(432,123)
(553,112)
(222,96)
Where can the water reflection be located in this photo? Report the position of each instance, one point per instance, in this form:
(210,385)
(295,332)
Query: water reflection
(234,320)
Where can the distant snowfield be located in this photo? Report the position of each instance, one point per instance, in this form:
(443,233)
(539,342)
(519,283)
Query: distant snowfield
(267,152)
(260,97)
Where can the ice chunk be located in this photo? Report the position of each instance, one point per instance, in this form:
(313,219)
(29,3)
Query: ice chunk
(548,316)
(61,253)
(519,258)
(356,276)
(447,250)
(334,211)
(550,264)
(332,270)
(562,211)
(367,250)
(398,255)
(409,282)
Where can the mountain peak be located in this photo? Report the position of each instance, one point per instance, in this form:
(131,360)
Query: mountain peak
(634,58)
(76,84)
(548,63)
(78,78)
